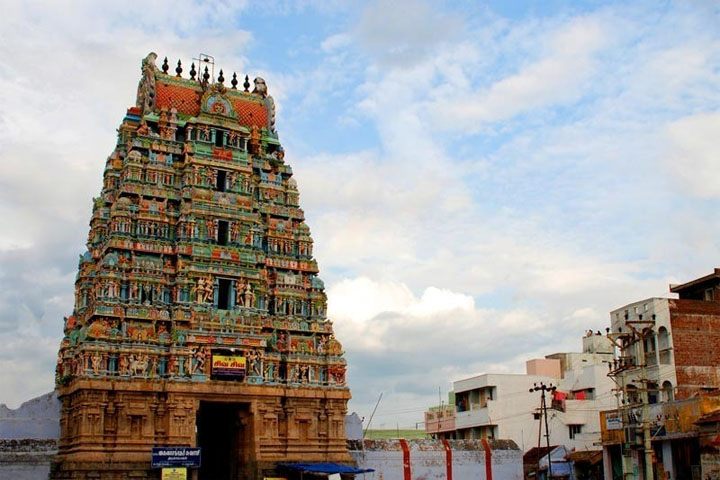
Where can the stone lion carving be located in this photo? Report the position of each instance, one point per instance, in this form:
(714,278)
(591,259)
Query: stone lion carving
(261,90)
(146,87)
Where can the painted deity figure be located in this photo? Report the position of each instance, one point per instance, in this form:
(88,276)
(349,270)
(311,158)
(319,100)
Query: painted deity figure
(199,360)
(204,133)
(143,129)
(172,366)
(270,372)
(59,365)
(199,290)
(153,366)
(208,290)
(254,144)
(210,228)
(163,334)
(254,363)
(233,139)
(282,343)
(239,293)
(124,365)
(249,297)
(321,344)
(96,359)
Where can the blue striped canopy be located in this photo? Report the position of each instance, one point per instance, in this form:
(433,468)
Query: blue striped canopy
(324,468)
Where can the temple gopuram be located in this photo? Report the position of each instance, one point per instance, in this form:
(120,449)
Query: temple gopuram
(199,319)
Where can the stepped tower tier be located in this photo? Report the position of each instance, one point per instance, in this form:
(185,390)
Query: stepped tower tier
(199,315)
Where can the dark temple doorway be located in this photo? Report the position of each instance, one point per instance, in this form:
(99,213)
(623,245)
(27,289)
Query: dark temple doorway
(221,434)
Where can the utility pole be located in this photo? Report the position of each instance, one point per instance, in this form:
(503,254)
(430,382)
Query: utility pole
(647,438)
(542,388)
(639,331)
(619,364)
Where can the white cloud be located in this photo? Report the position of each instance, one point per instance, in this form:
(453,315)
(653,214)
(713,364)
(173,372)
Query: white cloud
(401,33)
(694,154)
(334,42)
(558,77)
(407,346)
(361,299)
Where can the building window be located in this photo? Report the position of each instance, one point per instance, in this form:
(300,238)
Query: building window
(650,350)
(709,295)
(663,338)
(223,298)
(652,388)
(221,181)
(574,430)
(219,138)
(664,346)
(668,394)
(222,232)
(632,394)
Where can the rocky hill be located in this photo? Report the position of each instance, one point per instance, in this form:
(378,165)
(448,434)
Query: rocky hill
(38,418)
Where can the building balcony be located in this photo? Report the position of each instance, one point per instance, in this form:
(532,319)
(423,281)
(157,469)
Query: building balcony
(476,416)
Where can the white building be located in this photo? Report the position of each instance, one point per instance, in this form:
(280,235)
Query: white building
(501,406)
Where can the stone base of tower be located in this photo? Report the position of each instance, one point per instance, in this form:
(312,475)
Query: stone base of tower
(108,428)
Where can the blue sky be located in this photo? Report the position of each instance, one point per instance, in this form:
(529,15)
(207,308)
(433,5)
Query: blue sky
(484,181)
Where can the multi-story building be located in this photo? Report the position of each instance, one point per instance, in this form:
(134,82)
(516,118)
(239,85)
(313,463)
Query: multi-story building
(669,371)
(199,315)
(679,338)
(502,406)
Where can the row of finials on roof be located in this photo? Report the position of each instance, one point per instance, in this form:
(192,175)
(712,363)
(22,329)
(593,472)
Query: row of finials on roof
(206,74)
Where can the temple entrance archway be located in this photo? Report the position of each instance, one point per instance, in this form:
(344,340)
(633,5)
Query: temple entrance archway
(223,435)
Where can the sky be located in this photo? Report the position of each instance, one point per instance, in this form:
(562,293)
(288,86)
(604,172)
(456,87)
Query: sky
(484,181)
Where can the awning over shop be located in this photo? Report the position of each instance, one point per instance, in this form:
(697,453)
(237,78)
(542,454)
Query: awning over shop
(591,457)
(324,468)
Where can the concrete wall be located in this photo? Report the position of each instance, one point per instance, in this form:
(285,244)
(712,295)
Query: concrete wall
(598,344)
(440,419)
(428,460)
(549,367)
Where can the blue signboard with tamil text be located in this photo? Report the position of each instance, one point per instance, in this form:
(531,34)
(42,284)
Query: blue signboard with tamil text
(175,457)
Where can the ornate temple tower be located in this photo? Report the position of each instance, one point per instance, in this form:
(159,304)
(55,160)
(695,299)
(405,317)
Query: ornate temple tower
(199,317)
